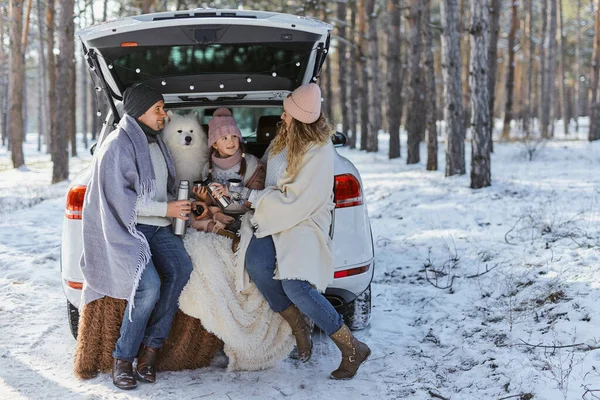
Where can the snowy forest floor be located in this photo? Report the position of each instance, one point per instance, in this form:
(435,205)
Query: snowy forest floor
(477,294)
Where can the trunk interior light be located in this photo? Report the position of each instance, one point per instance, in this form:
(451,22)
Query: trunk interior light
(75,202)
(351,272)
(129,44)
(347,191)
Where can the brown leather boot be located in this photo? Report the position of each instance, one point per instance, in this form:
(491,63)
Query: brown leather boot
(122,374)
(230,235)
(300,330)
(145,370)
(354,353)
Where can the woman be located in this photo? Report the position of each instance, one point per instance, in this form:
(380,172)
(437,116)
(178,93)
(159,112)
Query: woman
(289,258)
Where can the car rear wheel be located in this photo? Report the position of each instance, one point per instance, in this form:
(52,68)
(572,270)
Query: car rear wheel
(358,313)
(73,318)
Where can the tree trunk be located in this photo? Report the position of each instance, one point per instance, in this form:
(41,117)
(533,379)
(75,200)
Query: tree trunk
(562,84)
(576,110)
(465,49)
(510,74)
(364,75)
(342,65)
(3,79)
(530,56)
(415,119)
(17,75)
(594,132)
(548,108)
(43,112)
(542,68)
(51,60)
(354,87)
(374,90)
(430,94)
(394,102)
(64,80)
(326,75)
(480,149)
(494,20)
(455,145)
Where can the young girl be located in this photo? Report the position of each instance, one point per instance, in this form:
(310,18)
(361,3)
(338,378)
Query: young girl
(227,161)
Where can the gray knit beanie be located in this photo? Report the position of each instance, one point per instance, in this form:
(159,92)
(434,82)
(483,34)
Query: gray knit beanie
(137,99)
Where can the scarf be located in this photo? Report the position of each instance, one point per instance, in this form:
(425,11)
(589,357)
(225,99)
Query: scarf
(228,162)
(115,254)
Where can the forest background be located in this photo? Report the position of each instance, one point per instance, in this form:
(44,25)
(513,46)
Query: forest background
(438,71)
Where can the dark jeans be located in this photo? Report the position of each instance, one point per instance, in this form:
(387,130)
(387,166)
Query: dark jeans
(280,294)
(157,296)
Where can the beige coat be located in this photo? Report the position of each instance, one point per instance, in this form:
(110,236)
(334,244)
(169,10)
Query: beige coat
(297,213)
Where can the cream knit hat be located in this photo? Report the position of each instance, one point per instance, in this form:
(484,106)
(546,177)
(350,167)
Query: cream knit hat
(304,104)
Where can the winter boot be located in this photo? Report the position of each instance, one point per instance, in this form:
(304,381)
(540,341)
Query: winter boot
(300,330)
(145,370)
(228,234)
(122,374)
(354,353)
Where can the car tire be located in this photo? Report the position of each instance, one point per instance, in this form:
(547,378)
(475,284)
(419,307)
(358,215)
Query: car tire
(73,318)
(358,312)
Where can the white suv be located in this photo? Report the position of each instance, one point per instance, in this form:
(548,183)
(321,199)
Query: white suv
(248,61)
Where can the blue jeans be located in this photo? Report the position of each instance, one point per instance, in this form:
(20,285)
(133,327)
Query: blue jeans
(280,294)
(157,297)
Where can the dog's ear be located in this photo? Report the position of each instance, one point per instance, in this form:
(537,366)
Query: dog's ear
(170,114)
(195,113)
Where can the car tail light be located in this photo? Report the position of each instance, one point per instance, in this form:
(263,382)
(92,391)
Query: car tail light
(74,285)
(75,202)
(129,44)
(351,272)
(347,191)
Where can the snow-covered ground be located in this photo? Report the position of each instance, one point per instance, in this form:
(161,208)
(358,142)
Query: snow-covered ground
(516,265)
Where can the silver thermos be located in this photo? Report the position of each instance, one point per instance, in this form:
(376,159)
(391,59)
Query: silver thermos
(223,201)
(179,225)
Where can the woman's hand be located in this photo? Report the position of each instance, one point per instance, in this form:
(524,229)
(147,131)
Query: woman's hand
(219,191)
(179,209)
(201,193)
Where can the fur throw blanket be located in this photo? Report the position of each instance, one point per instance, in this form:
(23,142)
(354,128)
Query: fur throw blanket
(254,337)
(188,346)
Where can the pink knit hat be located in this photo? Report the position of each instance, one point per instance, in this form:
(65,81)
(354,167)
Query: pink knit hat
(304,104)
(222,124)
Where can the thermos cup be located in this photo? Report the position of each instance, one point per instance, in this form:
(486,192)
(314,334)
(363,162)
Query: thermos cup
(180,225)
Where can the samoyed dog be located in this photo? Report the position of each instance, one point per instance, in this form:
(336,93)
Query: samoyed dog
(188,144)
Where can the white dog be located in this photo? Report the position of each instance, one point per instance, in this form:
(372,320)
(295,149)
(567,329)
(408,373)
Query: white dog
(188,144)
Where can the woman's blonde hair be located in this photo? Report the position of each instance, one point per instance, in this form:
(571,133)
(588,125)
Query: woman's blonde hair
(297,137)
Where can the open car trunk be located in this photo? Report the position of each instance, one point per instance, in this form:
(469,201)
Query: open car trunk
(208,56)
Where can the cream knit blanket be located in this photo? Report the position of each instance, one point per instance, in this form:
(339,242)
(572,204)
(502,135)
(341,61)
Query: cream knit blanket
(255,338)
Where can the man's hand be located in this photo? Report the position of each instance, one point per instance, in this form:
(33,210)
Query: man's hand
(179,209)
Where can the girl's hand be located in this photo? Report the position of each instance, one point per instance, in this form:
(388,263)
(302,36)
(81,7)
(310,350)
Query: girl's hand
(220,191)
(179,209)
(201,193)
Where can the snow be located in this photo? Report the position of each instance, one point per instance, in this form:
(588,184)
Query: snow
(515,264)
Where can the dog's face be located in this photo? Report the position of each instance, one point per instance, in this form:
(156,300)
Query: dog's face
(184,131)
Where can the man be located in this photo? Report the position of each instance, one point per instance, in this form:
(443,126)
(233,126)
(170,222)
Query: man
(129,251)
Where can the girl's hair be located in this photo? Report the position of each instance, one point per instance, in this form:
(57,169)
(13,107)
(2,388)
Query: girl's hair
(242,170)
(298,137)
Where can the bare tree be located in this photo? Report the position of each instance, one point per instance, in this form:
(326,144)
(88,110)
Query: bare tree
(480,154)
(354,87)
(374,89)
(561,59)
(394,102)
(342,63)
(455,144)
(64,87)
(594,132)
(430,95)
(17,75)
(465,49)
(495,10)
(546,119)
(51,67)
(530,56)
(364,74)
(542,65)
(576,111)
(415,120)
(510,74)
